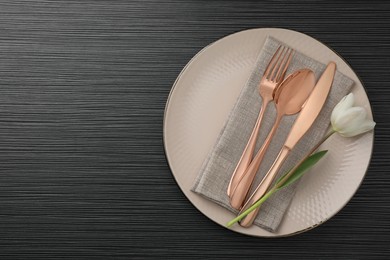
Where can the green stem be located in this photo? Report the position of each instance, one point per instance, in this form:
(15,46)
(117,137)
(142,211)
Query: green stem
(280,183)
(253,207)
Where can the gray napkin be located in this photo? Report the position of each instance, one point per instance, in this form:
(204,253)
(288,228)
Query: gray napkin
(214,176)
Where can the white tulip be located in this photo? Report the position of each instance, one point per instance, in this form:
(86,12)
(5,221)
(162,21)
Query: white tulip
(348,120)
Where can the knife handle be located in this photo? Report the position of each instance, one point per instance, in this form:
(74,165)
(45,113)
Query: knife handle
(263,187)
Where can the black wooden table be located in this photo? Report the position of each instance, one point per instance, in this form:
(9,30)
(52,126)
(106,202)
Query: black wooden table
(83,85)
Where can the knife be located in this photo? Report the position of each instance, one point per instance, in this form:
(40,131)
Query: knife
(304,121)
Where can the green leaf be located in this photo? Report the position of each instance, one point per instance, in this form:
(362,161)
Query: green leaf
(291,177)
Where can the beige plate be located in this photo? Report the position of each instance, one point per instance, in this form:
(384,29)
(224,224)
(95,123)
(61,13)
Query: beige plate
(200,101)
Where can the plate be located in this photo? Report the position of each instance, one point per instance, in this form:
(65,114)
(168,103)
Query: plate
(199,104)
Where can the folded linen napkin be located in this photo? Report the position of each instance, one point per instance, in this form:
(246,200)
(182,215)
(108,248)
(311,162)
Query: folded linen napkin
(214,176)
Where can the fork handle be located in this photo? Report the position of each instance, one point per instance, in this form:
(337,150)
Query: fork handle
(240,192)
(263,187)
(247,154)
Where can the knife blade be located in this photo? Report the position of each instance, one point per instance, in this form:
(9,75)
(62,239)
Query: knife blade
(304,121)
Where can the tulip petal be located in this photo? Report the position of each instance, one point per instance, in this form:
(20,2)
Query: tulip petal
(343,105)
(349,119)
(365,126)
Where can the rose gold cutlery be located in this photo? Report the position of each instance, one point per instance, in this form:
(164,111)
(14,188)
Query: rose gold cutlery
(301,125)
(289,98)
(271,79)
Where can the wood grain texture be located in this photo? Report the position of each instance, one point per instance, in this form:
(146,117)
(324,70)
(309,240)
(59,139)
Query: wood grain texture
(83,85)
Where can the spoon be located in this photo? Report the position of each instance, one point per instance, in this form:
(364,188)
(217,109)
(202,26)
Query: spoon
(289,100)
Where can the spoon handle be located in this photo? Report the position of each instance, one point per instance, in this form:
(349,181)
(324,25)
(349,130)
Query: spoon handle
(242,188)
(247,154)
(263,187)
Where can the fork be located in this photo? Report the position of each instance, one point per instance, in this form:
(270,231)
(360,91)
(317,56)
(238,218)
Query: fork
(271,79)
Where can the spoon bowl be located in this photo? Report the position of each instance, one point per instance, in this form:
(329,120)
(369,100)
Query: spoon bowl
(294,91)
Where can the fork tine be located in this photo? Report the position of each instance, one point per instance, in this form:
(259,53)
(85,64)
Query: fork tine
(277,63)
(284,65)
(272,62)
